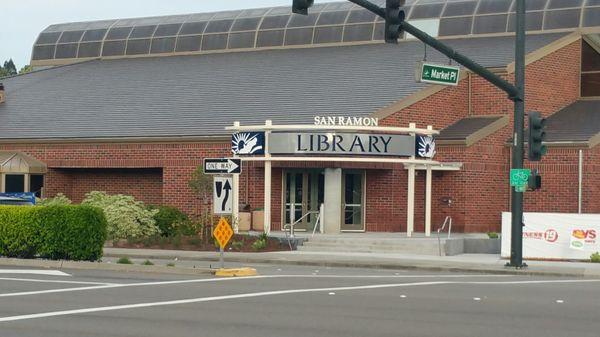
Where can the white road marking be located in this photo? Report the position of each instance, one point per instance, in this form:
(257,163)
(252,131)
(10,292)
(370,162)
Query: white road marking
(560,301)
(51,281)
(476,299)
(402,296)
(332,293)
(263,294)
(34,271)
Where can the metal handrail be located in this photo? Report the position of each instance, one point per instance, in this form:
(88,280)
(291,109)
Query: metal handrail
(447,221)
(291,226)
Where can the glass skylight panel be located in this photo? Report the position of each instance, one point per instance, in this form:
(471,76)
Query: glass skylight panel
(332,18)
(298,36)
(43,52)
(226,15)
(493,6)
(138,47)
(162,45)
(118,33)
(214,42)
(460,8)
(280,10)
(66,51)
(90,49)
(142,32)
(47,38)
(336,6)
(245,24)
(188,43)
(592,3)
(72,36)
(271,22)
(426,11)
(218,26)
(328,34)
(591,17)
(242,40)
(361,32)
(269,38)
(200,17)
(564,4)
(256,12)
(113,48)
(568,18)
(361,15)
(167,30)
(190,28)
(531,5)
(533,21)
(378,34)
(94,35)
(486,24)
(303,20)
(456,26)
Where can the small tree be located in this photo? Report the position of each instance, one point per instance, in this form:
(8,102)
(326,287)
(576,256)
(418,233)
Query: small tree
(201,185)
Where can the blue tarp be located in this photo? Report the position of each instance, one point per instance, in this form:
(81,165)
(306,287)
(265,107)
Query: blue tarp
(26,198)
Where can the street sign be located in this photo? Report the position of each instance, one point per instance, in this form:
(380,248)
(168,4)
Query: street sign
(437,74)
(223,232)
(222,165)
(222,198)
(519,178)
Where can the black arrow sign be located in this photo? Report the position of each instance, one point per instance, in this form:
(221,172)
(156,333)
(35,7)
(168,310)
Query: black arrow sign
(227,188)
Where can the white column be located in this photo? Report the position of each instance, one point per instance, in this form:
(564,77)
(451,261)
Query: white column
(267,201)
(332,215)
(428,202)
(410,208)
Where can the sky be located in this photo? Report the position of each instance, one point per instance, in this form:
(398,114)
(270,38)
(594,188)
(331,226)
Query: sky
(23,20)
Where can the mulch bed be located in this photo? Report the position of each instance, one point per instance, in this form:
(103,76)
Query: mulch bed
(238,243)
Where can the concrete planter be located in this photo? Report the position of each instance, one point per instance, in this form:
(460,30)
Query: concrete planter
(245,221)
(482,246)
(258,220)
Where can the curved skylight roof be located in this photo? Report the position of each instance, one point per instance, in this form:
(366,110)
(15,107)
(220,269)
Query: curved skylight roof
(336,22)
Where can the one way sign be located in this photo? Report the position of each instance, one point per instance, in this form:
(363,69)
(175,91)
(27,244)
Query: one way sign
(222,165)
(222,198)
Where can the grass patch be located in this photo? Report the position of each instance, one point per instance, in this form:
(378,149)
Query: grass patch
(171,264)
(492,235)
(595,258)
(147,263)
(124,260)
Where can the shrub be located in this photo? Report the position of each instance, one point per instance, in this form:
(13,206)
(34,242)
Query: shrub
(72,232)
(492,235)
(595,258)
(237,245)
(59,200)
(171,264)
(126,217)
(167,219)
(259,244)
(124,260)
(55,232)
(147,263)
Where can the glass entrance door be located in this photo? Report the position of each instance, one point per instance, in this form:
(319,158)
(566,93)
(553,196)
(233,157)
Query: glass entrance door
(303,193)
(353,200)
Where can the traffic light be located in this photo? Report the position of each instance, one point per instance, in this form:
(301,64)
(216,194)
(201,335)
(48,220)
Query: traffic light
(535,180)
(394,17)
(536,136)
(302,6)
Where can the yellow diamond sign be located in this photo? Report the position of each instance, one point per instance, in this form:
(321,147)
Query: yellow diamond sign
(223,232)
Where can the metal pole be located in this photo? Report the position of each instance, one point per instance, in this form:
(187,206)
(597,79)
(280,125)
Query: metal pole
(221,259)
(516,250)
(580,187)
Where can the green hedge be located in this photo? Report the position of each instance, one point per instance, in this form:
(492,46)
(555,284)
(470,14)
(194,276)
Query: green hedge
(54,232)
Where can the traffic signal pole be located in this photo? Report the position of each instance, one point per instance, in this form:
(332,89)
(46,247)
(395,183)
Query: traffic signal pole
(515,93)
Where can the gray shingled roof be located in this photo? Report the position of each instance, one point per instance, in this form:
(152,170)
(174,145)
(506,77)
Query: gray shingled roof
(465,127)
(578,122)
(202,94)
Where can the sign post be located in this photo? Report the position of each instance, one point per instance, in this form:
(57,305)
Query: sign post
(437,74)
(222,234)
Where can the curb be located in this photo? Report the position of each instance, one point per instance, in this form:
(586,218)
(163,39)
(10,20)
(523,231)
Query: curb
(408,265)
(81,265)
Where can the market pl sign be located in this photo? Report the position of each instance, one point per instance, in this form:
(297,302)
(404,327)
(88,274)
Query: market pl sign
(437,74)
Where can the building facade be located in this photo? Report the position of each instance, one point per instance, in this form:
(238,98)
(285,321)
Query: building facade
(134,106)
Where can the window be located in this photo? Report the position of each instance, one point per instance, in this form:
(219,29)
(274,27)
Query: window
(14,183)
(590,71)
(36,183)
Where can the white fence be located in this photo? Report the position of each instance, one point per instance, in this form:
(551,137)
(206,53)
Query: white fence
(555,235)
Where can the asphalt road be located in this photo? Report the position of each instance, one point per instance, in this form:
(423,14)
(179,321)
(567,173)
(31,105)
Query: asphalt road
(296,301)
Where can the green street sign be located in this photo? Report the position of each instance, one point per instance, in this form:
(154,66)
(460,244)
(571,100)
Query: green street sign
(437,74)
(519,178)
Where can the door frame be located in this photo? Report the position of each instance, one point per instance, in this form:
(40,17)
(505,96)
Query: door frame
(363,201)
(306,172)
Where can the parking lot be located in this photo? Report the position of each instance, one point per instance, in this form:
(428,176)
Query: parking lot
(294,301)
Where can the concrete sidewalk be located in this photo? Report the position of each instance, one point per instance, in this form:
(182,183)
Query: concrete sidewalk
(480,263)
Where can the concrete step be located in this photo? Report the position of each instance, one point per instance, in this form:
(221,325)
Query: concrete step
(407,246)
